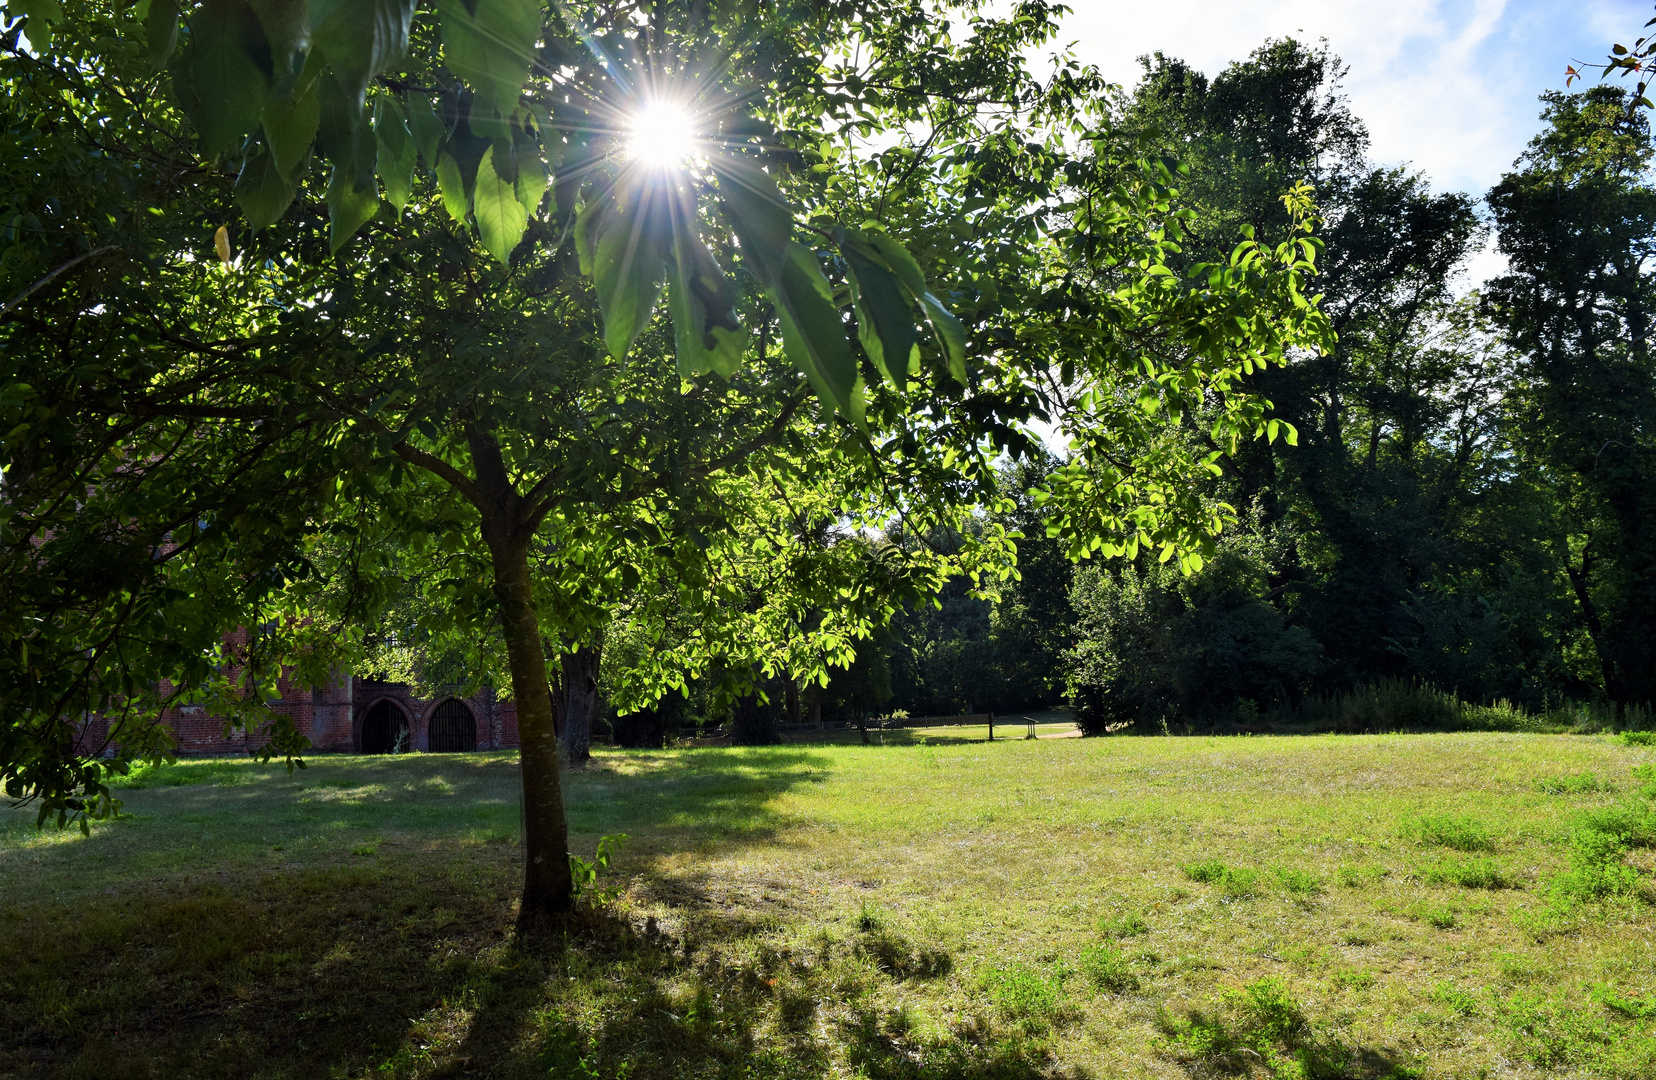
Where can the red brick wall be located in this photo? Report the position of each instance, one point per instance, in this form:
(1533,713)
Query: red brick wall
(330,716)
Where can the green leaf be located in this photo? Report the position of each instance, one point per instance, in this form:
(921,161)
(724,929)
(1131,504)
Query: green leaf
(42,14)
(627,269)
(361,38)
(453,187)
(532,179)
(161,31)
(427,127)
(898,259)
(762,218)
(885,313)
(290,129)
(224,74)
(491,46)
(588,224)
(951,336)
(501,219)
(813,335)
(349,208)
(344,133)
(706,333)
(396,152)
(878,258)
(262,192)
(286,25)
(44,10)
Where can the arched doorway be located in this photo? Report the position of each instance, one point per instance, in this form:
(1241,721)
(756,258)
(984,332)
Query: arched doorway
(385,729)
(453,730)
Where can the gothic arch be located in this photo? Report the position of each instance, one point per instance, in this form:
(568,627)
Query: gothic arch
(452,728)
(384,728)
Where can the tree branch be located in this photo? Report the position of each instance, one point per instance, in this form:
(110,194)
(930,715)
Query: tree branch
(437,466)
(50,275)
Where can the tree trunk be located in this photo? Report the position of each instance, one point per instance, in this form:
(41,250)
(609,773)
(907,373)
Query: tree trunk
(754,722)
(547,886)
(577,703)
(1589,615)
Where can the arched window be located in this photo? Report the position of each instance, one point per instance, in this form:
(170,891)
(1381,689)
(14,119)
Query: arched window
(452,728)
(385,729)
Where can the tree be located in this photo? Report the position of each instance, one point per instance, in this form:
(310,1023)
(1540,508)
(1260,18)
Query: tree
(1575,220)
(481,401)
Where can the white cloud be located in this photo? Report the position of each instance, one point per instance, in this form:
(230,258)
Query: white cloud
(1448,86)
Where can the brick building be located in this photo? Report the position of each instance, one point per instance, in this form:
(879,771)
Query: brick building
(359,716)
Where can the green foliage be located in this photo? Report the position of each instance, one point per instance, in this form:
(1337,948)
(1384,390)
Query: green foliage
(1468,874)
(1550,1031)
(1647,774)
(1231,881)
(1457,831)
(1583,783)
(1259,1022)
(1107,968)
(1024,994)
(1458,1001)
(1354,978)
(1123,926)
(1599,843)
(586,873)
(1152,644)
(1298,882)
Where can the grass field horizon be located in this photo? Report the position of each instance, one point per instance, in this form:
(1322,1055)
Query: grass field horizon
(1318,906)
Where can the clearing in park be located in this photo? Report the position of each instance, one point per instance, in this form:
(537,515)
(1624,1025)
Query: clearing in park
(1335,906)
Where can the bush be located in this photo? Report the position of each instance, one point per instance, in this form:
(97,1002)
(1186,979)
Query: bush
(1582,783)
(1468,874)
(1105,966)
(1125,926)
(1298,881)
(1231,881)
(1023,993)
(1449,830)
(1599,844)
(1154,644)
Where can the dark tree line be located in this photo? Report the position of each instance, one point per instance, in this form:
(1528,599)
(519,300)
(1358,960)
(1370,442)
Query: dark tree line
(1469,502)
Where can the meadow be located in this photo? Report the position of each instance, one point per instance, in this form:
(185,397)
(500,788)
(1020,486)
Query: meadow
(1449,905)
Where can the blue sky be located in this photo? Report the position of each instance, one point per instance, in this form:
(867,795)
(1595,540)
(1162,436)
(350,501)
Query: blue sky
(1447,86)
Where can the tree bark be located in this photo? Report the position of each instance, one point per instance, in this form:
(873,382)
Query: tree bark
(1579,582)
(577,703)
(509,521)
(548,888)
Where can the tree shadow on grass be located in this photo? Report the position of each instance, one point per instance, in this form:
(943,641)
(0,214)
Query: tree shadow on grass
(712,1005)
(695,795)
(236,960)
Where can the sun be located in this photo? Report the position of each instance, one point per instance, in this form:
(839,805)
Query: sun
(661,136)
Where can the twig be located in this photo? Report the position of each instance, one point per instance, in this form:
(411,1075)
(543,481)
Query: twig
(30,291)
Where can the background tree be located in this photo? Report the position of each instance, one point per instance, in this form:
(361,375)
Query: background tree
(1576,221)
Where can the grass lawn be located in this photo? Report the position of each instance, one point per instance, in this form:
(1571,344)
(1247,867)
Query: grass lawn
(1422,906)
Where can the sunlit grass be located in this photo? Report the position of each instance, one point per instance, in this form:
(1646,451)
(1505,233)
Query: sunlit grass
(1017,909)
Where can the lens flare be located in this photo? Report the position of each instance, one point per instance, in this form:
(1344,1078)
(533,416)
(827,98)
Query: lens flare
(661,136)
